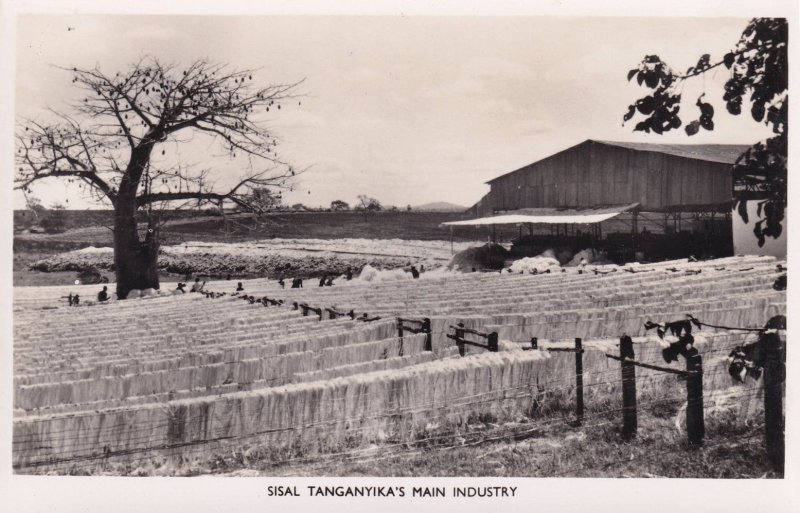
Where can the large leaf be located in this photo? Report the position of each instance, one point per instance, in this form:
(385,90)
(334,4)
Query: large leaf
(727,59)
(734,106)
(741,208)
(706,122)
(759,233)
(757,111)
(702,63)
(646,105)
(631,111)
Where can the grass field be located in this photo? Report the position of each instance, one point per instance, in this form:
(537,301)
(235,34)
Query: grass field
(659,451)
(549,446)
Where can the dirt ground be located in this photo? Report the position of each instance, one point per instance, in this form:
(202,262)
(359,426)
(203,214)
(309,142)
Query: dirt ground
(89,228)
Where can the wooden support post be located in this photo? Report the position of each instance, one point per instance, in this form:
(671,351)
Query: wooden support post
(426,327)
(492,342)
(534,343)
(579,379)
(629,422)
(400,335)
(695,425)
(774,375)
(460,339)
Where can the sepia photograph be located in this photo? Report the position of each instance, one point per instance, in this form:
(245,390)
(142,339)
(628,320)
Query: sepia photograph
(296,246)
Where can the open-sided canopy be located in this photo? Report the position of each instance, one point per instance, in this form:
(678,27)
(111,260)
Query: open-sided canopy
(549,216)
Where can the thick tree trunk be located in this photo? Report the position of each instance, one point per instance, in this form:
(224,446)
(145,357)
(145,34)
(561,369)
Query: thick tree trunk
(135,260)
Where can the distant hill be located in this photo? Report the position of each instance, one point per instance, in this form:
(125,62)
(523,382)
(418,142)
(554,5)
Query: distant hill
(440,206)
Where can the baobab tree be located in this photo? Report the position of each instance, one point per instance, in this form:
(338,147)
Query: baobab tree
(108,141)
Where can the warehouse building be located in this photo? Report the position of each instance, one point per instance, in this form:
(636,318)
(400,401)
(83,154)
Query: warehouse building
(632,200)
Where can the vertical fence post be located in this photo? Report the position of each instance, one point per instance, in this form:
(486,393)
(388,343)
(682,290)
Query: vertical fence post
(426,327)
(492,342)
(400,334)
(579,379)
(774,375)
(460,338)
(695,425)
(629,422)
(534,343)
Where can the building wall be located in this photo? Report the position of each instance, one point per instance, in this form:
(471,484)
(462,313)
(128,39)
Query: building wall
(594,174)
(745,242)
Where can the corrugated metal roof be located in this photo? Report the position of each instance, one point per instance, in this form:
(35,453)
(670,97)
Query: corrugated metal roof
(549,216)
(723,153)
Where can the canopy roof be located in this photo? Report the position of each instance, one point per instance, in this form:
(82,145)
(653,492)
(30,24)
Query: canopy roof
(549,216)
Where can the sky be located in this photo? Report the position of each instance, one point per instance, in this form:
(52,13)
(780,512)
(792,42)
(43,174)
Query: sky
(405,109)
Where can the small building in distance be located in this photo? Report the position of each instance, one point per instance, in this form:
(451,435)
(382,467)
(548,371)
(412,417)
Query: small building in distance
(673,200)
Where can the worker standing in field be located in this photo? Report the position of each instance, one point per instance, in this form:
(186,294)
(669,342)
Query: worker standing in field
(414,272)
(349,274)
(323,280)
(102,296)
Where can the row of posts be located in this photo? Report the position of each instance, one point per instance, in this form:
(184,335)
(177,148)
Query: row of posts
(773,372)
(695,423)
(403,325)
